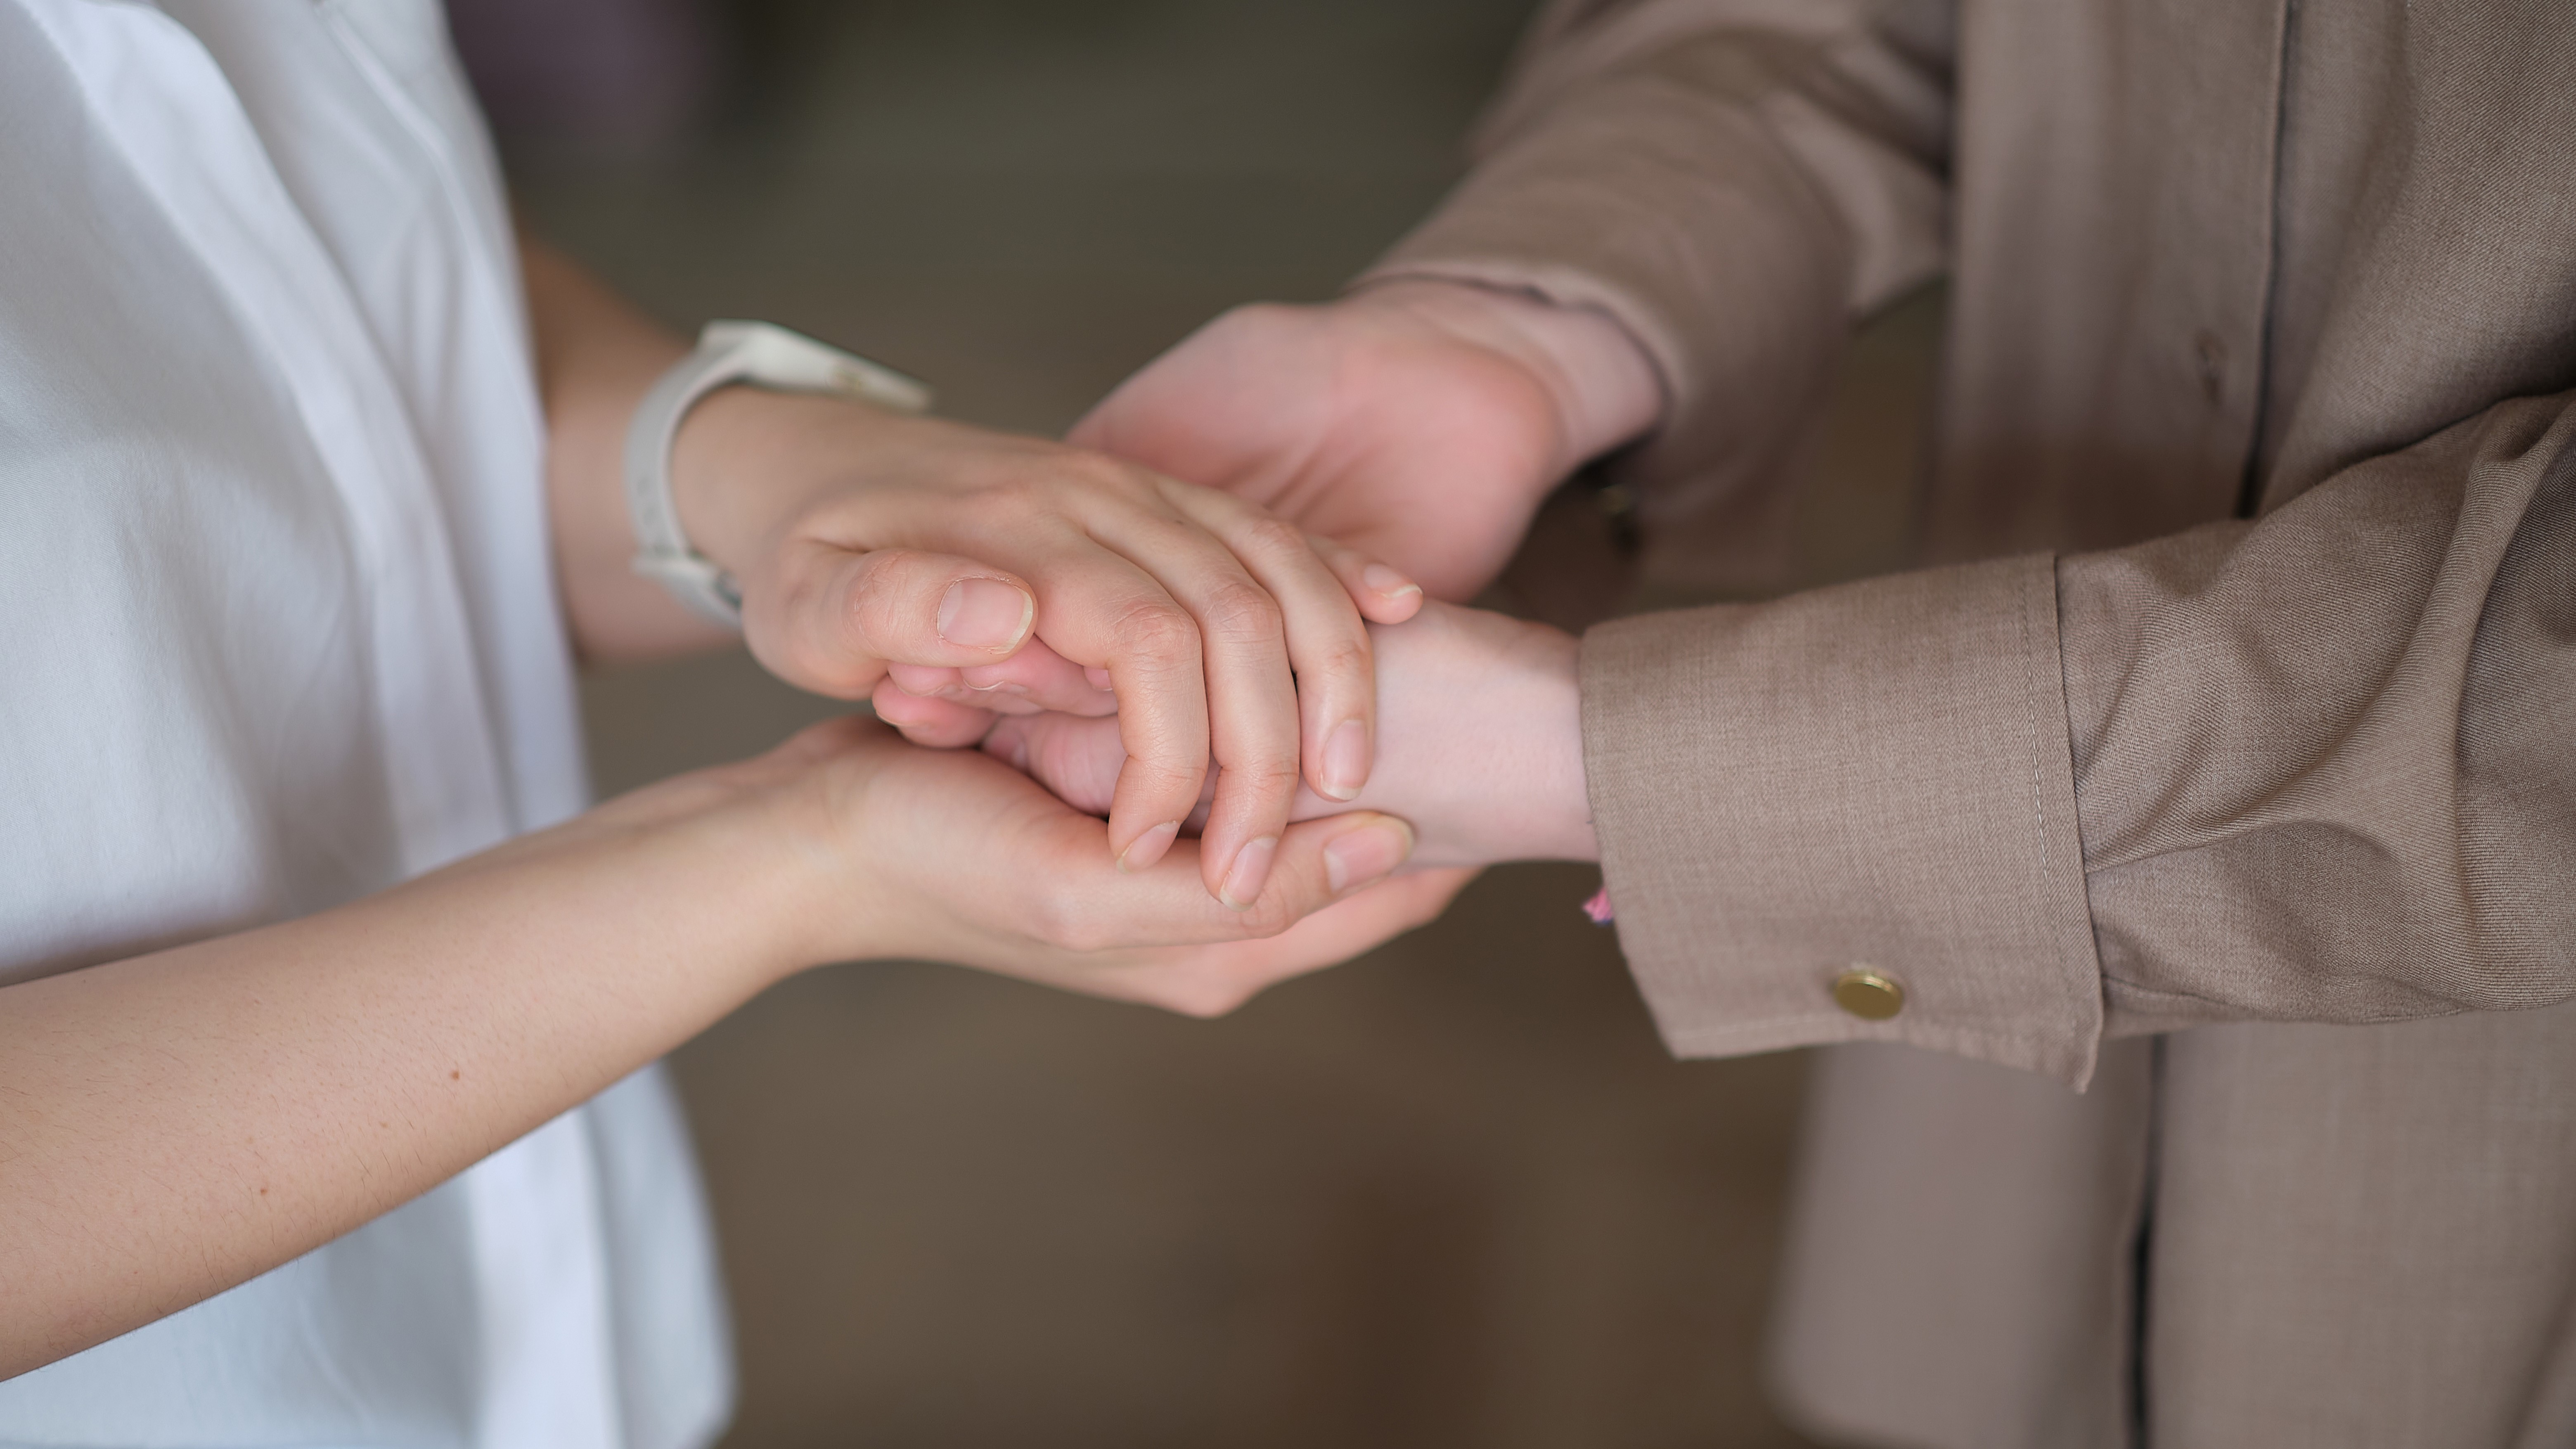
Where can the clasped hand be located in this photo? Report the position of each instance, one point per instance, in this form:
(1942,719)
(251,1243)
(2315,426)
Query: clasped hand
(1216,656)
(1424,422)
(1208,693)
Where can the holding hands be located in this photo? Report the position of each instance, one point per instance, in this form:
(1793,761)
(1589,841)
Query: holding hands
(943,564)
(964,578)
(1206,678)
(974,568)
(1424,422)
(1163,655)
(1481,749)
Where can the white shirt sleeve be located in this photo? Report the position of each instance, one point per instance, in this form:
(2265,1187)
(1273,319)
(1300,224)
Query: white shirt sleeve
(280,632)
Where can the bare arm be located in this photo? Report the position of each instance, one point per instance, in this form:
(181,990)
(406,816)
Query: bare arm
(179,1122)
(176,1123)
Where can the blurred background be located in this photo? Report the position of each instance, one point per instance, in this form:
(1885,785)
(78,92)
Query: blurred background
(1453,1193)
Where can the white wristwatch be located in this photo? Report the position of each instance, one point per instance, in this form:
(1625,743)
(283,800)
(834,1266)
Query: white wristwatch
(730,352)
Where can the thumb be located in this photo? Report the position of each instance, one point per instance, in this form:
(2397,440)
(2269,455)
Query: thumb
(832,620)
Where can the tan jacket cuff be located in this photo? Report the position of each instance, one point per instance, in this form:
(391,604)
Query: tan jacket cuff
(1873,775)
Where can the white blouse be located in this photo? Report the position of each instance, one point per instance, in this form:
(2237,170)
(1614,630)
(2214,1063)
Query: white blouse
(277,630)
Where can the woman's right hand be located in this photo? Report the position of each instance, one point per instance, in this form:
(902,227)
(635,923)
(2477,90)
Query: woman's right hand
(891,850)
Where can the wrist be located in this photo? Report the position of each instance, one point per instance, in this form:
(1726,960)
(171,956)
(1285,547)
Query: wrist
(1559,823)
(749,845)
(1602,384)
(746,460)
(730,352)
(1480,738)
(729,464)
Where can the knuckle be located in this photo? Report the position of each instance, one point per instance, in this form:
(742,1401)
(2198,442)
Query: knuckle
(1159,779)
(1238,612)
(1268,533)
(1269,777)
(1153,629)
(875,593)
(1348,656)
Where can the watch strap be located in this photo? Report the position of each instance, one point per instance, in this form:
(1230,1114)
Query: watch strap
(729,352)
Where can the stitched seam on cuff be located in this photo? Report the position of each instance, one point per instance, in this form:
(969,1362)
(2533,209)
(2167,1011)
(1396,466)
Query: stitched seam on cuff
(1785,1033)
(2030,735)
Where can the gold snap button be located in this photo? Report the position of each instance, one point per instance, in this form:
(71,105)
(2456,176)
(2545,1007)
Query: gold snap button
(1868,995)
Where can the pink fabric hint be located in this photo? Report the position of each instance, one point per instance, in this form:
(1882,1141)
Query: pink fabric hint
(1598,908)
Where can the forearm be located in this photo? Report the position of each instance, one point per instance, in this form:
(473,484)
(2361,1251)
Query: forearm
(177,1123)
(173,1124)
(2322,759)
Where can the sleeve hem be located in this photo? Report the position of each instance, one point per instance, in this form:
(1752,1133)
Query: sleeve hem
(1875,775)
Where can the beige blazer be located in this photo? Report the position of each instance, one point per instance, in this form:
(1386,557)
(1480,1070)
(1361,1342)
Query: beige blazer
(2224,771)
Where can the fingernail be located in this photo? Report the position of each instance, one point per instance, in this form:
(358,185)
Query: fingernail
(986,614)
(1251,869)
(1367,855)
(1099,680)
(1145,849)
(1388,582)
(1346,763)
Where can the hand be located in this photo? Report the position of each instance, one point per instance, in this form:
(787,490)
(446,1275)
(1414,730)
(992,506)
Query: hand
(951,856)
(866,542)
(182,1120)
(1421,422)
(863,540)
(1480,742)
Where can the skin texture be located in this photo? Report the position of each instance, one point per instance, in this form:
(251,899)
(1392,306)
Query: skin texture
(176,1123)
(1502,780)
(179,1122)
(1425,421)
(1227,635)
(1421,422)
